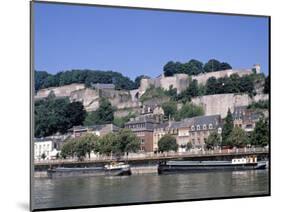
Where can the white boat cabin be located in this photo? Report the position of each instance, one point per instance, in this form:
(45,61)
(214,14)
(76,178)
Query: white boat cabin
(244,160)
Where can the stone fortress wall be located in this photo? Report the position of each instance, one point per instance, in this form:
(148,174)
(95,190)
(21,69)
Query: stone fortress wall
(123,100)
(219,103)
(181,81)
(90,97)
(62,91)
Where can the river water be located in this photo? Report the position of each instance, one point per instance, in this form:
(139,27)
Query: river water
(79,191)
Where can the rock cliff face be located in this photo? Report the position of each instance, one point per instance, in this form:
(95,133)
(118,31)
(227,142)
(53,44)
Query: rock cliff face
(62,91)
(219,103)
(90,97)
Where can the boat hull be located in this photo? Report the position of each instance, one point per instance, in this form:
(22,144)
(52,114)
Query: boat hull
(118,172)
(75,172)
(166,169)
(79,172)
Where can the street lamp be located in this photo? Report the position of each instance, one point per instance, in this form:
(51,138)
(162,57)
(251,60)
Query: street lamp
(219,132)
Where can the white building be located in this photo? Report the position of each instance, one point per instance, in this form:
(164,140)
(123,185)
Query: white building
(44,147)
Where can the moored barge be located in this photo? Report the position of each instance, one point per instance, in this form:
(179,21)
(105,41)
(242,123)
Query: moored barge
(237,164)
(112,169)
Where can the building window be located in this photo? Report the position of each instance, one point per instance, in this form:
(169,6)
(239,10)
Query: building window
(198,127)
(210,126)
(204,127)
(192,128)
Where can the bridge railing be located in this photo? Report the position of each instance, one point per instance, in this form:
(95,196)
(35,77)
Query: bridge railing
(151,155)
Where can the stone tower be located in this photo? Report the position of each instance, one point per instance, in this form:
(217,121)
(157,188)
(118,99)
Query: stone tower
(257,67)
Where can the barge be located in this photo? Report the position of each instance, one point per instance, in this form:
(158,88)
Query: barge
(237,164)
(113,169)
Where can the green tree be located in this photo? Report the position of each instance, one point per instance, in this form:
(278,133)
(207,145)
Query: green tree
(68,149)
(56,115)
(170,108)
(212,86)
(227,128)
(266,85)
(126,142)
(120,121)
(189,110)
(119,143)
(106,143)
(212,65)
(75,113)
(85,145)
(260,135)
(194,67)
(191,91)
(167,143)
(103,115)
(154,93)
(169,69)
(88,77)
(225,66)
(237,138)
(213,140)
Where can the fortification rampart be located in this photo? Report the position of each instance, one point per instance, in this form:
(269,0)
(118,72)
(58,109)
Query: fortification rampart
(62,91)
(181,81)
(202,78)
(219,103)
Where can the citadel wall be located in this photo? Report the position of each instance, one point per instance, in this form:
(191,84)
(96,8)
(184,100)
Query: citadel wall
(62,91)
(219,103)
(181,81)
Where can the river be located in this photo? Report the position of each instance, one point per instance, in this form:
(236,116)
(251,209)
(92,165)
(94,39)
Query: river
(79,191)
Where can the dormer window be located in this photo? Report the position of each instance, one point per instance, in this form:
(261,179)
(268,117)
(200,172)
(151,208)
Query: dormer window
(204,127)
(192,128)
(210,126)
(198,127)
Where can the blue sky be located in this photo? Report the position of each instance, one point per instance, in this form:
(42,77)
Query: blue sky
(136,42)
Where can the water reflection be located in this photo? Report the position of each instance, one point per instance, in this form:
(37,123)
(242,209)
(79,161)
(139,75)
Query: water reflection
(80,191)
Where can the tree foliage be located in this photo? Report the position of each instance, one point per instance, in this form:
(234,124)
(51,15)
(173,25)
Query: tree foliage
(266,85)
(213,140)
(57,115)
(153,93)
(170,108)
(237,138)
(89,77)
(261,104)
(103,115)
(80,147)
(232,84)
(167,143)
(260,135)
(119,143)
(120,121)
(227,128)
(192,90)
(189,110)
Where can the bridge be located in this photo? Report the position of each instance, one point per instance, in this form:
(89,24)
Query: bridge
(151,158)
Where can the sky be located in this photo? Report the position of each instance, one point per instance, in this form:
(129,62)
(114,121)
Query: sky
(135,42)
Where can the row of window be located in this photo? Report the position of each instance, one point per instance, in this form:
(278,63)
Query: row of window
(136,126)
(42,146)
(204,127)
